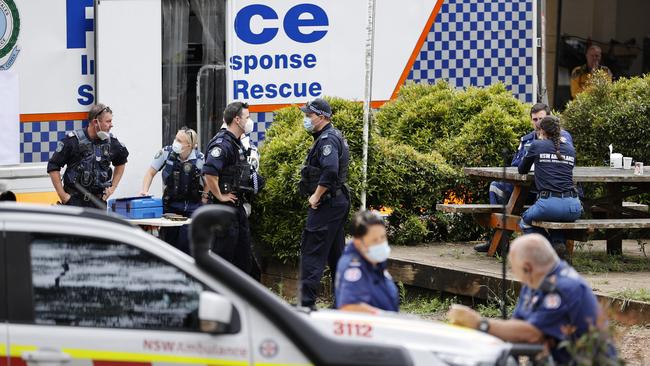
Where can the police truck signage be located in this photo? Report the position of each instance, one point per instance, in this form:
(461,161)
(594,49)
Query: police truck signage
(285,52)
(9,31)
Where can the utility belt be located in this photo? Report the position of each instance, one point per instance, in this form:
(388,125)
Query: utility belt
(329,195)
(567,194)
(78,194)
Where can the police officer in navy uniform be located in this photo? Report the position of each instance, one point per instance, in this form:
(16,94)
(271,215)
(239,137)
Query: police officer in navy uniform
(500,191)
(323,179)
(230,179)
(88,154)
(554,305)
(181,164)
(557,197)
(363,283)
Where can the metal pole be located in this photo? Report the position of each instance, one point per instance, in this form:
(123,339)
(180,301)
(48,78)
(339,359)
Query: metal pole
(367,108)
(543,91)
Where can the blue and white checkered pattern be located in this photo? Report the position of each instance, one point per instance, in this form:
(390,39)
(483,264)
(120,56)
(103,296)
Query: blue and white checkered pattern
(479,42)
(38,140)
(264,120)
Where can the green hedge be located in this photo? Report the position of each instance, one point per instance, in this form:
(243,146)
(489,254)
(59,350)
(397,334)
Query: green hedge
(418,145)
(610,113)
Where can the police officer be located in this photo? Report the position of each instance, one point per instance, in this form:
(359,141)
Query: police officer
(557,197)
(323,178)
(554,305)
(229,178)
(181,164)
(500,191)
(88,154)
(363,283)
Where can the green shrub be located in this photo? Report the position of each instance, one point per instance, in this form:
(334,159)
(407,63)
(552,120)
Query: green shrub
(407,230)
(610,113)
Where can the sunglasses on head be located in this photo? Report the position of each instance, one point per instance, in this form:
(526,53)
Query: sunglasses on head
(105,109)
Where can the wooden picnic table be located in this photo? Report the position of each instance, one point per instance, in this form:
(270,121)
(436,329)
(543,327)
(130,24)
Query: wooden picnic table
(611,203)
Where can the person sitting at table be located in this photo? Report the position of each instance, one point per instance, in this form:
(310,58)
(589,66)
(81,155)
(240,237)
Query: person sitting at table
(500,191)
(557,197)
(181,164)
(363,283)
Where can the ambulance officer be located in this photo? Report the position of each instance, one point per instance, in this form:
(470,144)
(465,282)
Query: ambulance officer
(181,164)
(555,305)
(323,178)
(88,154)
(363,283)
(557,197)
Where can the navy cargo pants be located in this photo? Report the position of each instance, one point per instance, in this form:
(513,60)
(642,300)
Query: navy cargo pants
(235,245)
(323,240)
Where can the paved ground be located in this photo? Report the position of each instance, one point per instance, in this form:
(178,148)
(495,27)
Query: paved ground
(461,256)
(633,342)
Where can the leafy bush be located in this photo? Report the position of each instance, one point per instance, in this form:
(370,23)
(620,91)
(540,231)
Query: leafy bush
(610,113)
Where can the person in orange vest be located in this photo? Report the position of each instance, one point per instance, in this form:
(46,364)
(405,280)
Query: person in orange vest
(581,74)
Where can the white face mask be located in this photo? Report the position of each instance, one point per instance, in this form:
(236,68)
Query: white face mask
(101,134)
(248,128)
(378,253)
(177,147)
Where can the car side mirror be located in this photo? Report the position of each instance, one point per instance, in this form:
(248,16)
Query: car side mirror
(215,313)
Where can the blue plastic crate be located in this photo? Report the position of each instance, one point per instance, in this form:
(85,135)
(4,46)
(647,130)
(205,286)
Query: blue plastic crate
(146,207)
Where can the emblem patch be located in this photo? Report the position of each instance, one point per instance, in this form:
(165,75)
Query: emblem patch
(552,301)
(327,150)
(268,348)
(216,152)
(59,146)
(9,30)
(352,274)
(158,154)
(187,167)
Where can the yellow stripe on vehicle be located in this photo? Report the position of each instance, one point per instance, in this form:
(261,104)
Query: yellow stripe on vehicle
(48,198)
(16,351)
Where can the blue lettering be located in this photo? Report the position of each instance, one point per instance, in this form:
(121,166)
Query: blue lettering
(257,91)
(240,86)
(294,61)
(315,89)
(309,60)
(284,93)
(293,23)
(86,95)
(266,62)
(271,91)
(250,63)
(243,24)
(235,63)
(76,22)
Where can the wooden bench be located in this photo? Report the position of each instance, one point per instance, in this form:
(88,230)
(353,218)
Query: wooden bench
(629,205)
(472,208)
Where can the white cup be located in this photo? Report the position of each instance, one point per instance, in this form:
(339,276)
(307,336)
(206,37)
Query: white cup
(638,168)
(627,163)
(616,161)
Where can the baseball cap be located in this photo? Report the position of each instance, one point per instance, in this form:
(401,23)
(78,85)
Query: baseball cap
(318,106)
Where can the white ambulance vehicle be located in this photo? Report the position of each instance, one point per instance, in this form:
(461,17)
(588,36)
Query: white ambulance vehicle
(81,288)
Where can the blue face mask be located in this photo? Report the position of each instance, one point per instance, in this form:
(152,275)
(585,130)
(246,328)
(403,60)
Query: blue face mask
(306,123)
(378,253)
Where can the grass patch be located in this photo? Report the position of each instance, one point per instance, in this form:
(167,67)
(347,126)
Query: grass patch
(599,262)
(634,294)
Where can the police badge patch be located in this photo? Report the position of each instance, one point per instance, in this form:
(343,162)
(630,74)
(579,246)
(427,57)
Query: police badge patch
(158,154)
(552,301)
(187,167)
(327,149)
(59,146)
(352,274)
(216,152)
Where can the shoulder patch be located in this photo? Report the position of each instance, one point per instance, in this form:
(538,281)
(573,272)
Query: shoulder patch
(59,146)
(324,136)
(387,275)
(219,140)
(352,274)
(552,301)
(327,149)
(216,152)
(158,154)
